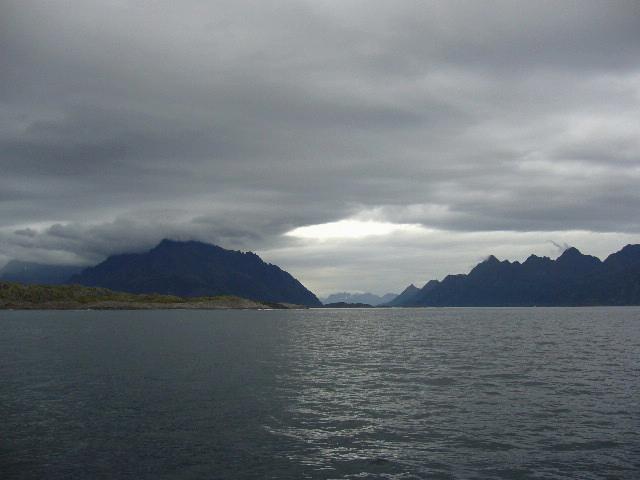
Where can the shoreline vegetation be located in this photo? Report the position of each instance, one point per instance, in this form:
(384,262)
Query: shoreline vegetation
(16,296)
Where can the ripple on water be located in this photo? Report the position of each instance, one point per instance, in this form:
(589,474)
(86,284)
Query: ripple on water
(318,394)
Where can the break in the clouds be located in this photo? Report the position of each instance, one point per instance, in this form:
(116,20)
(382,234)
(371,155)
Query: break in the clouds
(451,130)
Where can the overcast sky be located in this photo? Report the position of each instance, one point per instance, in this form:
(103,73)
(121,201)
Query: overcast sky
(360,145)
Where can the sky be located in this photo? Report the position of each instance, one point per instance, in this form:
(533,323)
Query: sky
(361,145)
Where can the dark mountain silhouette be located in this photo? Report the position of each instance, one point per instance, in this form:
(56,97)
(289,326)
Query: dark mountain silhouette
(368,298)
(404,298)
(193,269)
(572,279)
(30,273)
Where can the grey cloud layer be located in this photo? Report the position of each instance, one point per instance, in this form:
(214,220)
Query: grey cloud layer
(230,121)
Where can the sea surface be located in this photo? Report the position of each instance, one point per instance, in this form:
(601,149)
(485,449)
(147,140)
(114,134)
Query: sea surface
(527,393)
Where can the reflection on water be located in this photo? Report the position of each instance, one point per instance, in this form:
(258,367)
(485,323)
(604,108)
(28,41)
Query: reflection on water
(416,393)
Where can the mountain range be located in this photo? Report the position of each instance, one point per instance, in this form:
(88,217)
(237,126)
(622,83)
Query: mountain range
(195,269)
(366,298)
(573,279)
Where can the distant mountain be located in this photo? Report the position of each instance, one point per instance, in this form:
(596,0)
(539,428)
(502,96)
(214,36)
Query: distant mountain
(30,273)
(368,298)
(404,298)
(194,269)
(572,279)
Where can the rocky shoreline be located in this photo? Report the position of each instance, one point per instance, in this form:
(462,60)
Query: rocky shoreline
(15,296)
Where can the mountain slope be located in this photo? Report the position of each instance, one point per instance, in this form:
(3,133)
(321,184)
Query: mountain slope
(404,299)
(193,269)
(572,279)
(31,273)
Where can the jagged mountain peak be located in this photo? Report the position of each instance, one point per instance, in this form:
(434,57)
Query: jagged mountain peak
(572,279)
(491,259)
(410,288)
(571,252)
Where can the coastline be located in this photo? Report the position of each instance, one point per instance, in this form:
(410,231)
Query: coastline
(242,305)
(14,296)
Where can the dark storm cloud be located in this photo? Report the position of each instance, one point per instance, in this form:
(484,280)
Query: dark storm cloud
(232,121)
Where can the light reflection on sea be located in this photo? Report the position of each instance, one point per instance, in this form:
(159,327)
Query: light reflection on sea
(414,393)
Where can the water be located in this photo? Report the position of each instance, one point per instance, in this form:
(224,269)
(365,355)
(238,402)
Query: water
(417,393)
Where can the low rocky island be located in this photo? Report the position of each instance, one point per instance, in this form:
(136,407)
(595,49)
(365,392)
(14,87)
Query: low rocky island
(347,305)
(16,296)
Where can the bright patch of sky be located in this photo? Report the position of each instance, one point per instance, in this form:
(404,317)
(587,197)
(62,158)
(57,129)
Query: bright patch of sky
(350,229)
